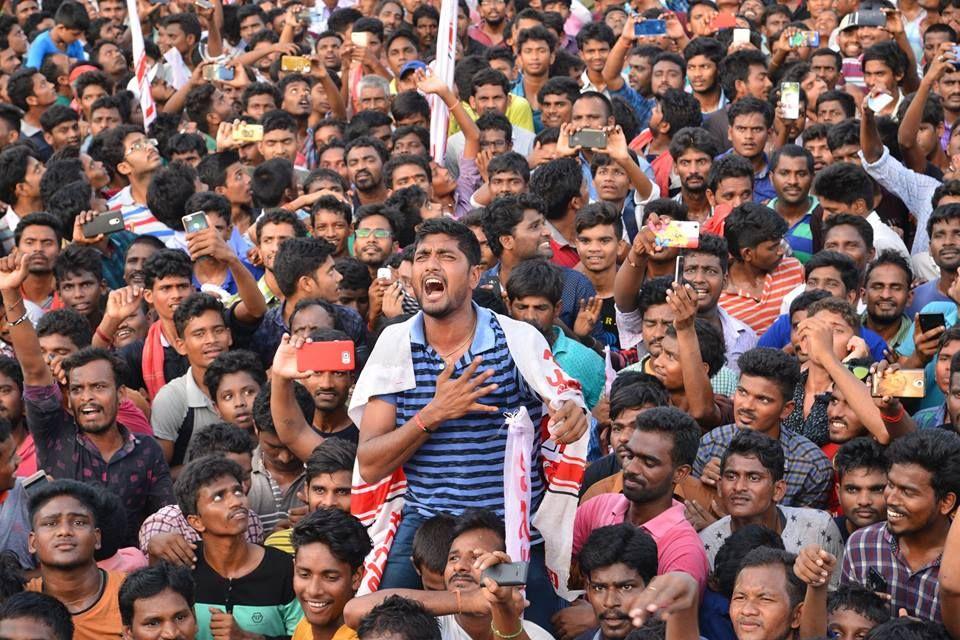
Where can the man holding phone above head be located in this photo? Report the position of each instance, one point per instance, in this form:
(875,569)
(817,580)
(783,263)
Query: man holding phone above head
(421,422)
(473,605)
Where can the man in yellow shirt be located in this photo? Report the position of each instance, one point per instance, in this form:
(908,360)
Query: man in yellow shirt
(330,546)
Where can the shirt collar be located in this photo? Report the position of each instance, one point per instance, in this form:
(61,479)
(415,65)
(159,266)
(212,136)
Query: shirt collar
(659,526)
(557,236)
(196,398)
(484,337)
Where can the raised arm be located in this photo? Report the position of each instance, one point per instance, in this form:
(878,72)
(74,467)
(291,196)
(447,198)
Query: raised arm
(870,144)
(292,426)
(613,68)
(209,243)
(619,152)
(633,271)
(432,84)
(814,566)
(23,337)
(673,597)
(913,156)
(696,383)
(950,581)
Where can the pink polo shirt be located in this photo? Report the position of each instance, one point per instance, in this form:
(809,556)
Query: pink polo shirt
(678,545)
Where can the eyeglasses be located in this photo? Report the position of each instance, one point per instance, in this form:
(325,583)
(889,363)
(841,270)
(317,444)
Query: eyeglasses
(495,144)
(142,145)
(379,234)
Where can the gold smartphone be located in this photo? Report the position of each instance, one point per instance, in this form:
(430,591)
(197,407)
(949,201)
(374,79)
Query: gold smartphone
(905,383)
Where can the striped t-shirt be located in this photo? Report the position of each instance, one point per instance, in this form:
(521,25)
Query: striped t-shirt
(141,221)
(800,235)
(461,466)
(760,314)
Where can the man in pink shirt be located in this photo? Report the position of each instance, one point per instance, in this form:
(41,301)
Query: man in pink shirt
(658,456)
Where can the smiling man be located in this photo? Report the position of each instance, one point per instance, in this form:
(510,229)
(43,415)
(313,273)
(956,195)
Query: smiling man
(904,551)
(329,548)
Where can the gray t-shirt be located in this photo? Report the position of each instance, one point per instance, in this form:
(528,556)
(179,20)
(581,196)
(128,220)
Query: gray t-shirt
(170,408)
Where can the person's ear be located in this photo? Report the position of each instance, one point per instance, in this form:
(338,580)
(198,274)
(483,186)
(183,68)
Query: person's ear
(862,207)
(787,409)
(947,503)
(779,490)
(124,168)
(180,346)
(739,88)
(711,198)
(99,536)
(48,138)
(796,616)
(357,577)
(476,272)
(196,522)
(32,543)
(680,473)
(473,103)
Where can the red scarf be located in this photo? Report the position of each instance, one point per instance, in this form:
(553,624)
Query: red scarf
(152,364)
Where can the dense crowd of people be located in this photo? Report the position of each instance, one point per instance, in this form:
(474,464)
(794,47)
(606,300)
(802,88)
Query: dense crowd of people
(479,319)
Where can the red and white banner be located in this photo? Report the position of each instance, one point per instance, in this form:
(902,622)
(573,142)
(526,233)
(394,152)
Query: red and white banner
(516,484)
(443,69)
(140,67)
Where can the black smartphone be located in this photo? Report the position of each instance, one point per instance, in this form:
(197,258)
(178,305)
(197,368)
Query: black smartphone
(930,321)
(876,582)
(589,139)
(870,19)
(513,574)
(493,284)
(34,482)
(678,272)
(106,222)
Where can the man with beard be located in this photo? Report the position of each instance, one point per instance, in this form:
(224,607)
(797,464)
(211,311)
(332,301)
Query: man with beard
(244,590)
(329,548)
(11,410)
(65,537)
(516,231)
(375,238)
(617,563)
(33,94)
(472,606)
(534,291)
(38,238)
(861,482)
(902,555)
(365,157)
(490,31)
(944,231)
(693,150)
(157,602)
(751,121)
(658,456)
(764,398)
(791,171)
(948,88)
(89,444)
(750,488)
(886,292)
(449,404)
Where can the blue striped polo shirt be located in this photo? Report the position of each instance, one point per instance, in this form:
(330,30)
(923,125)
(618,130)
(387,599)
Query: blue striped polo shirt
(461,466)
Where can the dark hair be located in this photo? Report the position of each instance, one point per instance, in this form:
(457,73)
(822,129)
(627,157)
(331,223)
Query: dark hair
(185,143)
(167,263)
(845,183)
(210,202)
(367,141)
(596,95)
(509,162)
(847,103)
(153,580)
(262,418)
(595,31)
(843,134)
(88,354)
(195,306)
(504,214)
(83,493)
(40,607)
(773,365)
(562,86)
(681,428)
(890,257)
(707,47)
(751,224)
(726,564)
(753,444)
(257,89)
(38,219)
(908,629)
(680,109)
(934,450)
(558,182)
(860,225)
(652,293)
(76,260)
(343,535)
(340,19)
(232,362)
(271,180)
(67,323)
(714,246)
(299,257)
(791,151)
(849,274)
(766,556)
(220,438)
(399,616)
(860,453)
(479,519)
(889,54)
(431,542)
(407,104)
(856,598)
(369,25)
(538,34)
(599,214)
(398,161)
(710,342)
(693,138)
(536,277)
(330,456)
(620,544)
(495,121)
(282,216)
(199,473)
(213,168)
(736,66)
(943,213)
(749,106)
(648,391)
(169,191)
(56,115)
(729,166)
(816,131)
(466,241)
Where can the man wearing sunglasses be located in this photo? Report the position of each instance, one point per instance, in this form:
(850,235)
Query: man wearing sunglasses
(375,238)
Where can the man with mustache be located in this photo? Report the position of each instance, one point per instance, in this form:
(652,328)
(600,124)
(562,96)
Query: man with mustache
(38,238)
(472,606)
(763,398)
(243,590)
(861,481)
(902,556)
(693,150)
(617,564)
(750,488)
(887,294)
(791,171)
(88,442)
(365,157)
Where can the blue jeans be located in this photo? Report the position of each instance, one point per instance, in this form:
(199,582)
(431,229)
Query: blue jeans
(399,573)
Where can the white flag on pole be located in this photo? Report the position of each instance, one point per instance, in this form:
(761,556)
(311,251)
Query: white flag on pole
(140,66)
(443,69)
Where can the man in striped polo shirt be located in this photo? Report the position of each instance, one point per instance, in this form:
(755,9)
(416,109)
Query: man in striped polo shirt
(447,432)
